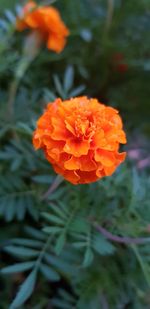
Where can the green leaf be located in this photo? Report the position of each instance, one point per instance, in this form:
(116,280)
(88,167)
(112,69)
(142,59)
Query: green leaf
(80,244)
(27,242)
(49,273)
(52,218)
(68,78)
(52,229)
(59,86)
(34,233)
(21,209)
(31,209)
(88,257)
(21,251)
(25,290)
(25,128)
(10,210)
(77,91)
(16,163)
(49,95)
(79,225)
(60,264)
(102,245)
(19,267)
(60,243)
(43,179)
(60,210)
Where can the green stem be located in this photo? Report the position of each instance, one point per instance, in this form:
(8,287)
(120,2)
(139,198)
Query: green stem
(57,181)
(109,15)
(20,71)
(147,278)
(45,247)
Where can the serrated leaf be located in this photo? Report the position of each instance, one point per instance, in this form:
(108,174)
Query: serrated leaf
(49,95)
(31,209)
(60,243)
(60,210)
(49,273)
(52,229)
(43,179)
(59,86)
(34,233)
(21,209)
(21,251)
(68,78)
(79,244)
(79,225)
(10,209)
(77,91)
(16,163)
(25,128)
(52,218)
(88,257)
(25,290)
(19,267)
(27,242)
(102,245)
(60,264)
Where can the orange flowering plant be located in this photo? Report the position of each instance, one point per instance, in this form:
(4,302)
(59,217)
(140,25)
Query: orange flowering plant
(92,239)
(47,22)
(80,138)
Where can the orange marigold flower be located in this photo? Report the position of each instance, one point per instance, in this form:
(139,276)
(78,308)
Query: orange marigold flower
(80,138)
(47,21)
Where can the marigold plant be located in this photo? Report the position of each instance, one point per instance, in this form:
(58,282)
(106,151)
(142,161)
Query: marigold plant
(80,138)
(47,22)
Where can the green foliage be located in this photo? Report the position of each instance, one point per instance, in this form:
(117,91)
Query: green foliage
(51,252)
(40,258)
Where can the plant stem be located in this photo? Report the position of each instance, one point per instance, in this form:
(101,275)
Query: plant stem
(58,180)
(147,278)
(20,71)
(109,15)
(49,239)
(119,239)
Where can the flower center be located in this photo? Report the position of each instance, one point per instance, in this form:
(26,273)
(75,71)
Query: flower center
(84,126)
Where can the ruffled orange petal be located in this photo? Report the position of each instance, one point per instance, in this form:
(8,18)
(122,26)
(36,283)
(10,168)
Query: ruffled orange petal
(56,43)
(32,20)
(109,170)
(72,164)
(47,21)
(59,130)
(105,157)
(76,148)
(87,177)
(81,138)
(71,176)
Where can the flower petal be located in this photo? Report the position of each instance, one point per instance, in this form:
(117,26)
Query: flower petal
(104,157)
(59,129)
(76,147)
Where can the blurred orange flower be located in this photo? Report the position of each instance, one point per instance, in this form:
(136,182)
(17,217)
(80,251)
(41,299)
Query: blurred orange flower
(80,138)
(47,21)
(118,62)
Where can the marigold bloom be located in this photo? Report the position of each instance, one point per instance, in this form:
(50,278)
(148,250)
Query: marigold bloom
(47,21)
(80,138)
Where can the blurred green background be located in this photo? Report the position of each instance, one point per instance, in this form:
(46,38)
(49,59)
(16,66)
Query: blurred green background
(107,56)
